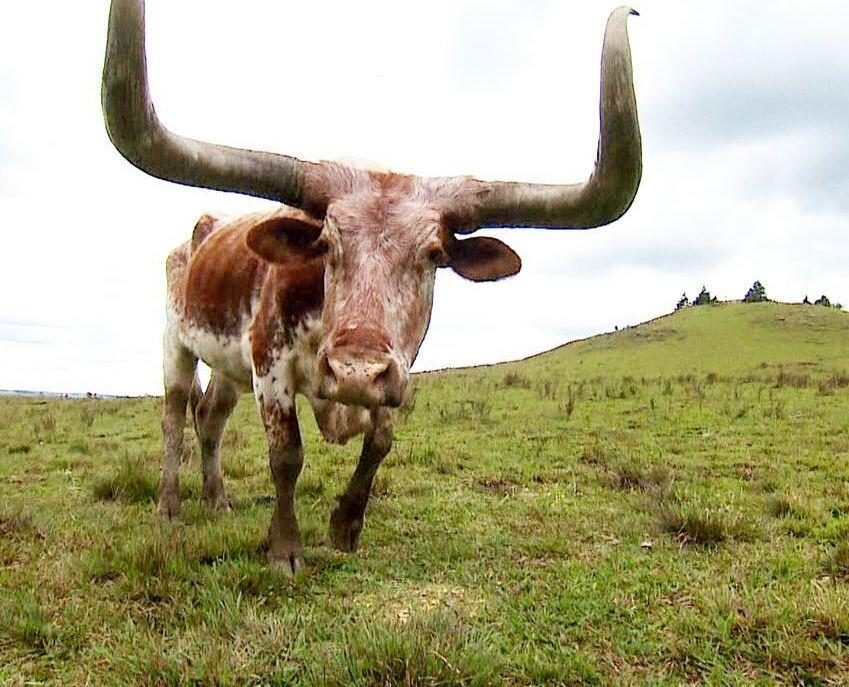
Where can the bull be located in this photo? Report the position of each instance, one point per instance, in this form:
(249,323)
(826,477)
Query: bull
(330,294)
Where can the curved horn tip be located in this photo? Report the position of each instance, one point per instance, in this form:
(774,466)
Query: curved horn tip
(625,11)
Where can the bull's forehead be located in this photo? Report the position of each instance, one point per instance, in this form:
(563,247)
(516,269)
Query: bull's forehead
(384,218)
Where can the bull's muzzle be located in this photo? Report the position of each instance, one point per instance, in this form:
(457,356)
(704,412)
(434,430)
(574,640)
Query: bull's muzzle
(354,378)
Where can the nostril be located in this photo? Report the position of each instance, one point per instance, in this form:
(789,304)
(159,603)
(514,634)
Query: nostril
(383,379)
(390,383)
(323,368)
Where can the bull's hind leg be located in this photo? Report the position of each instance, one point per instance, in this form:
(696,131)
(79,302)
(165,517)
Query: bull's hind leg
(211,414)
(346,521)
(179,369)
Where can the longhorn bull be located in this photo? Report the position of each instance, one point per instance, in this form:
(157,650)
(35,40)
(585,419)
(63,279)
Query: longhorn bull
(329,295)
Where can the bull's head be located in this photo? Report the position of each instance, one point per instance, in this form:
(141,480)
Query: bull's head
(383,235)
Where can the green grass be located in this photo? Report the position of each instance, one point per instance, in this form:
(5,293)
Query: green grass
(665,505)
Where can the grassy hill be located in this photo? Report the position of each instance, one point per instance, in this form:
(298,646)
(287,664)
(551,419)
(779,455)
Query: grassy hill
(665,505)
(730,338)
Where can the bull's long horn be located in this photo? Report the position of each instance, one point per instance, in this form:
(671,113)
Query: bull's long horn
(138,135)
(611,188)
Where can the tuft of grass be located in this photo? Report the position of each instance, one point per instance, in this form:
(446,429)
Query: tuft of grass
(15,523)
(437,650)
(234,439)
(828,617)
(238,467)
(635,476)
(151,555)
(515,380)
(792,379)
(786,505)
(23,621)
(444,466)
(48,422)
(475,409)
(547,389)
(88,414)
(837,562)
(595,454)
(133,482)
(500,484)
(834,381)
(699,524)
(310,484)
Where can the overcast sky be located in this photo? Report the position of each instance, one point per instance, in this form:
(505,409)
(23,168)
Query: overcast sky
(744,108)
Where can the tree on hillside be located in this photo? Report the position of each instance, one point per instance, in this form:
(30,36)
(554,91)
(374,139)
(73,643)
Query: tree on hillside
(704,297)
(756,294)
(825,302)
(683,303)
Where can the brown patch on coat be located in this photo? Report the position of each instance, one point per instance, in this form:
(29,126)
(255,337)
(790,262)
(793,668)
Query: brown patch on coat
(363,339)
(290,293)
(223,278)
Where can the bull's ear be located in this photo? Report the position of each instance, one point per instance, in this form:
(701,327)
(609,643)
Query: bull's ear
(482,258)
(281,238)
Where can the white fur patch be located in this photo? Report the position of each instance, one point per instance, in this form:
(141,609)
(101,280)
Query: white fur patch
(230,355)
(278,385)
(306,340)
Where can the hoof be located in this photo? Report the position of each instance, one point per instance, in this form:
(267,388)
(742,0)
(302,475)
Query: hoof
(214,494)
(345,530)
(218,502)
(290,564)
(168,505)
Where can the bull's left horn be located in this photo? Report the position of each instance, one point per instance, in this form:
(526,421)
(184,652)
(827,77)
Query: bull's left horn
(611,188)
(134,128)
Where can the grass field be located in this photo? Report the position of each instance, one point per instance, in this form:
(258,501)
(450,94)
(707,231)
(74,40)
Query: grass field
(665,505)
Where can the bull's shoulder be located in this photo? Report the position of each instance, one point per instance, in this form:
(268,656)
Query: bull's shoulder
(224,276)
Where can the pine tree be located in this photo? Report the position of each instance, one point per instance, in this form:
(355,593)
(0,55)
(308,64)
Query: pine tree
(756,294)
(704,297)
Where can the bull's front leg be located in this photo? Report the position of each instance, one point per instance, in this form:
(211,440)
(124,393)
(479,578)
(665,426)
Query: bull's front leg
(346,521)
(286,457)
